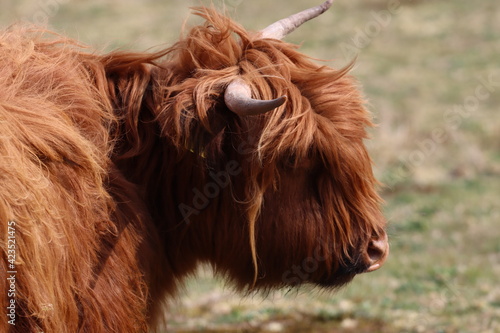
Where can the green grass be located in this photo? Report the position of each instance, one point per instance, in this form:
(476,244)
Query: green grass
(444,211)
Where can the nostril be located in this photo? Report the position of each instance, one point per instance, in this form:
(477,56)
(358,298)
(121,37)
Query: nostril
(374,252)
(377,252)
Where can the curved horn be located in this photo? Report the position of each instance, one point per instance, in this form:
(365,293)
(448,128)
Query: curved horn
(238,98)
(283,27)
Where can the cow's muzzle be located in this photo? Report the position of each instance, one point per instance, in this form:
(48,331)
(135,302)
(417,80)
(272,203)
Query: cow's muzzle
(377,252)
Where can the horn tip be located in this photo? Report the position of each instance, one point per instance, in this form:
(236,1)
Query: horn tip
(281,100)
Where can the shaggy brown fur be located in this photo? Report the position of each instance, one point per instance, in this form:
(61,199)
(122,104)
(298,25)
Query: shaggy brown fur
(122,172)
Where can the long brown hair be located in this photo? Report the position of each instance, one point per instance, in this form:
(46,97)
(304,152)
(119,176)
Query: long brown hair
(105,159)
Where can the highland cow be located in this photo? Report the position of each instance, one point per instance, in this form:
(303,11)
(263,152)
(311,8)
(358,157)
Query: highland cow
(120,173)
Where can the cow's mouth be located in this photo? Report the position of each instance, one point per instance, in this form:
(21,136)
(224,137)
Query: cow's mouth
(337,280)
(347,271)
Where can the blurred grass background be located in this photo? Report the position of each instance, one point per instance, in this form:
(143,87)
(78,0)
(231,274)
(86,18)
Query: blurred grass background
(431,73)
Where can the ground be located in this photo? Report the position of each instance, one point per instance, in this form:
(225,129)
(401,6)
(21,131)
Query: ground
(431,74)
